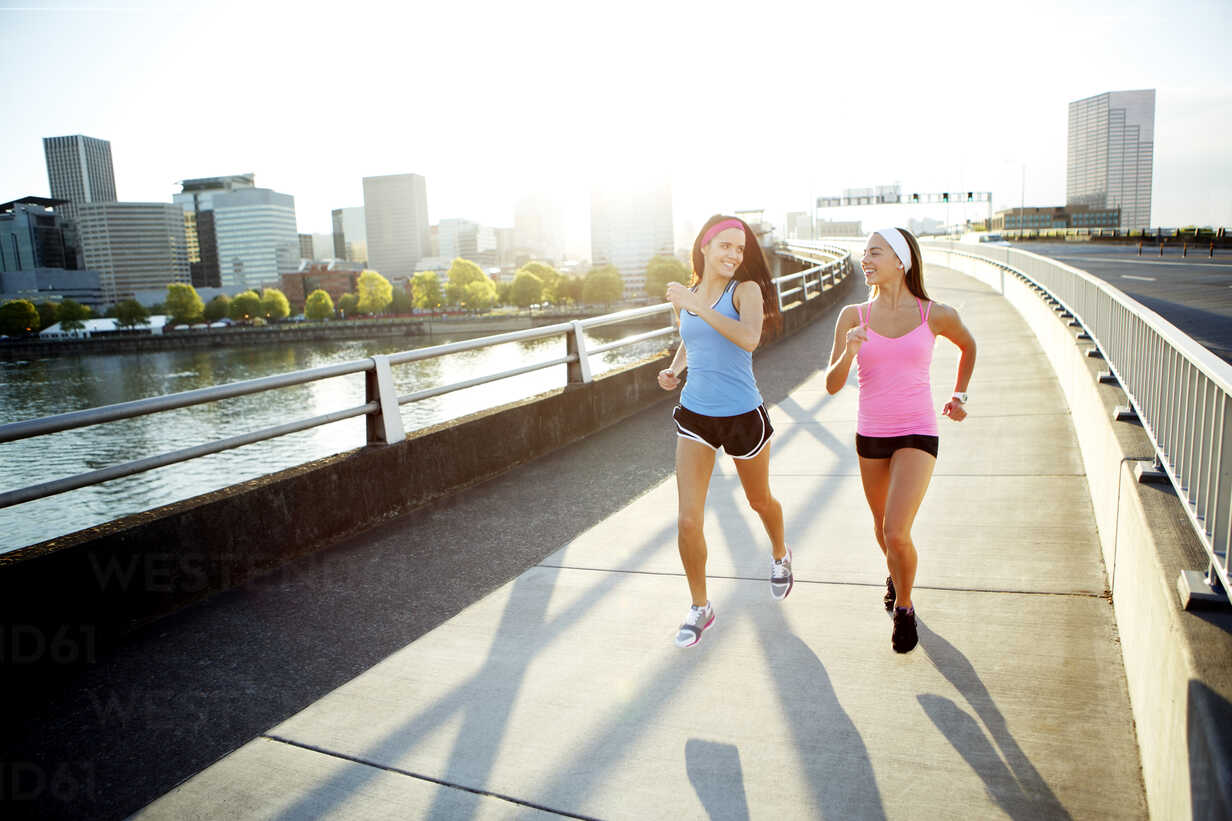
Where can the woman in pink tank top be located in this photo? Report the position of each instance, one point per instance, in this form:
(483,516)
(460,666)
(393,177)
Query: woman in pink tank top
(890,338)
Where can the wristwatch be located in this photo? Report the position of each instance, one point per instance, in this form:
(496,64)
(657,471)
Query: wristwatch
(961,396)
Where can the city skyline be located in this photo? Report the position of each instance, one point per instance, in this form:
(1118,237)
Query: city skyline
(802,117)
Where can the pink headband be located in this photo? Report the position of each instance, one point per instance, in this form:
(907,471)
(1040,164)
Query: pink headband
(720,226)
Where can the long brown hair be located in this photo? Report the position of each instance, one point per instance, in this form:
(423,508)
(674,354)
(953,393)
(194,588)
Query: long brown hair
(753,267)
(915,274)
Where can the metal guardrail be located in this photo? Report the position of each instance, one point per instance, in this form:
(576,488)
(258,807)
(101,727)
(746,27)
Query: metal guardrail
(381,402)
(1180,391)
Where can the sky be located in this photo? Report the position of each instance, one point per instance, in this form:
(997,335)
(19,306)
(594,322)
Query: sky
(741,106)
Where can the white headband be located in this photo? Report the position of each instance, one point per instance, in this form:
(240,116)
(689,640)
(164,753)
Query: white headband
(899,243)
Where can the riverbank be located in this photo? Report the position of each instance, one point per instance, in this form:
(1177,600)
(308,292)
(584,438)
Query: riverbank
(333,330)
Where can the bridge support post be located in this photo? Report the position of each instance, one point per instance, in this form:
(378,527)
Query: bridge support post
(1197,590)
(384,426)
(575,346)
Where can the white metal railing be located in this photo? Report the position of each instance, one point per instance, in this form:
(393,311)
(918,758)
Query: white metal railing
(1180,391)
(381,402)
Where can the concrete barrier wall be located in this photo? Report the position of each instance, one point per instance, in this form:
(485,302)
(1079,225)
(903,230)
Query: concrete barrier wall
(1178,664)
(94,585)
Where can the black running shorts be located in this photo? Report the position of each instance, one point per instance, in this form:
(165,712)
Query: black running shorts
(741,436)
(883,447)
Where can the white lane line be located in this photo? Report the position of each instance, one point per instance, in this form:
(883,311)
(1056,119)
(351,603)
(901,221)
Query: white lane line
(1143,279)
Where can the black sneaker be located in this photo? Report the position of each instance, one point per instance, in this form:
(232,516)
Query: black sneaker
(904,638)
(890,595)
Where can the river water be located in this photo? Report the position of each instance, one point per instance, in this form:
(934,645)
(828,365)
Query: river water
(43,387)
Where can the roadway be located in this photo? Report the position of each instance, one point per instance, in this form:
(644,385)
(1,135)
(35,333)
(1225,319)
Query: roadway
(1194,293)
(541,680)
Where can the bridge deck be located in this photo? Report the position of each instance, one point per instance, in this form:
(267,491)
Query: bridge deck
(560,692)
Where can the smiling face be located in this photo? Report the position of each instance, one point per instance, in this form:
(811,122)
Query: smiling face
(724,253)
(880,264)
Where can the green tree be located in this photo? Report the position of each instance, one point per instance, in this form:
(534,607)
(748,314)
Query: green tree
(347,303)
(374,291)
(319,305)
(426,290)
(48,313)
(662,270)
(217,308)
(603,285)
(401,303)
(184,306)
(18,316)
(550,278)
(73,315)
(130,313)
(569,291)
(480,295)
(461,273)
(245,306)
(274,304)
(527,289)
(504,292)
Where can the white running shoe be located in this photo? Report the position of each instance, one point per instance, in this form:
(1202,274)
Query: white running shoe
(781,578)
(695,622)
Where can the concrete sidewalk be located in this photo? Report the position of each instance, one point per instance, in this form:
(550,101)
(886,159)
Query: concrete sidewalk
(560,693)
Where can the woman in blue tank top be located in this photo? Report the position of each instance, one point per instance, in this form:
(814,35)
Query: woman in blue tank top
(723,314)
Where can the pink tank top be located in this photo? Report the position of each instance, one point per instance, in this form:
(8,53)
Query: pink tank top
(896,397)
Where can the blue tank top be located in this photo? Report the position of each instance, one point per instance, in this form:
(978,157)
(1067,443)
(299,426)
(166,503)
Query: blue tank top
(720,380)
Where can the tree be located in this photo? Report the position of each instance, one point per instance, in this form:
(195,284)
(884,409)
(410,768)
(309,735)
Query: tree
(347,303)
(48,313)
(550,278)
(374,292)
(274,304)
(426,290)
(130,313)
(527,289)
(73,315)
(401,303)
(662,270)
(319,305)
(503,293)
(480,295)
(569,291)
(217,308)
(603,284)
(18,317)
(245,306)
(184,306)
(461,273)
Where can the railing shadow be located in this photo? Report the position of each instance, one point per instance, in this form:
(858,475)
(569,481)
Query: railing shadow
(1015,785)
(715,773)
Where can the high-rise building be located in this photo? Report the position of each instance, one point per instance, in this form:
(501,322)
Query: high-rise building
(1111,154)
(538,228)
(79,170)
(469,240)
(396,221)
(629,226)
(246,235)
(305,247)
(257,238)
(32,236)
(197,199)
(133,245)
(350,235)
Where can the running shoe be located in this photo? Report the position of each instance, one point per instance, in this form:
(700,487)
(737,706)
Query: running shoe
(904,638)
(781,578)
(890,595)
(697,620)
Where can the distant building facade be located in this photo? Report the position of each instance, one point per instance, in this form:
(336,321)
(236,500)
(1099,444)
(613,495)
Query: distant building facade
(350,234)
(197,199)
(628,227)
(396,223)
(469,240)
(1054,217)
(79,171)
(1111,154)
(133,246)
(538,229)
(335,277)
